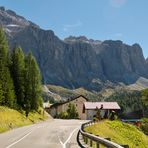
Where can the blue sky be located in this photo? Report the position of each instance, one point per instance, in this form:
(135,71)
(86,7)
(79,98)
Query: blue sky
(125,20)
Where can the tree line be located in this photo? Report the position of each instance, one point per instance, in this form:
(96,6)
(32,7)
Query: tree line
(131,101)
(20,78)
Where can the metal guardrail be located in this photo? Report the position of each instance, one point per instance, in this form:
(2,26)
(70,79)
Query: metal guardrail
(90,138)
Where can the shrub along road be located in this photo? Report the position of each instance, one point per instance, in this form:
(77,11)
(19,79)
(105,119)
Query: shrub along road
(48,134)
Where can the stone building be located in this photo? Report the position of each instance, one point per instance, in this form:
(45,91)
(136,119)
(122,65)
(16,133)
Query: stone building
(79,101)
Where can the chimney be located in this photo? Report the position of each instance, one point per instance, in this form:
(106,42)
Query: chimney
(101,106)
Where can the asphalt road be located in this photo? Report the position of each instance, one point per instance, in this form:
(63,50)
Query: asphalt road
(48,134)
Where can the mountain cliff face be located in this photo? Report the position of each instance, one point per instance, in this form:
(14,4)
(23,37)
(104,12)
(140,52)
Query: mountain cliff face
(76,61)
(121,62)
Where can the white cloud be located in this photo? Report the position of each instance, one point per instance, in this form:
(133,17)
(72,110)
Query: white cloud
(68,27)
(117,3)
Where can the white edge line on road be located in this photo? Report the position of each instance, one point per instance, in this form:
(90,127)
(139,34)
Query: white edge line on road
(71,134)
(19,140)
(22,137)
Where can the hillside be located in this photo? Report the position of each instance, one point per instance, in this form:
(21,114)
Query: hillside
(121,133)
(140,84)
(10,118)
(129,100)
(61,93)
(76,61)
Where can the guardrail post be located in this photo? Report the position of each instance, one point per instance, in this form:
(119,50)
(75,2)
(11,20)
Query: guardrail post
(125,146)
(97,145)
(90,143)
(86,140)
(109,139)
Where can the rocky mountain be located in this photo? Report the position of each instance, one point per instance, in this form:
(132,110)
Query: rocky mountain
(147,60)
(12,22)
(76,61)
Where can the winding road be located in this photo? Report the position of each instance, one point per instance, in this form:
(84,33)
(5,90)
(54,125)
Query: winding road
(49,134)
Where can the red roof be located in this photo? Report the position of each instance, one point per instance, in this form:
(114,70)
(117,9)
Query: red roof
(104,105)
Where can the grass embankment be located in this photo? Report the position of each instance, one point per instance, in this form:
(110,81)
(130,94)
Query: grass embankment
(10,118)
(121,133)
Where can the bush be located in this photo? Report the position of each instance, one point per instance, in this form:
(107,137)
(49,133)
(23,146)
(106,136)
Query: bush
(144,126)
(39,111)
(63,115)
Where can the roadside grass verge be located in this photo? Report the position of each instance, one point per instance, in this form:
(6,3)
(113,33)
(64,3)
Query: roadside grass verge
(121,133)
(10,118)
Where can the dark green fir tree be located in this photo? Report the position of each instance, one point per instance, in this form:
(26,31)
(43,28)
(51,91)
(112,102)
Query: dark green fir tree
(7,89)
(32,84)
(17,71)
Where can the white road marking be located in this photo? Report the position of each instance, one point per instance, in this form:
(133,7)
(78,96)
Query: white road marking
(19,140)
(61,142)
(64,144)
(22,137)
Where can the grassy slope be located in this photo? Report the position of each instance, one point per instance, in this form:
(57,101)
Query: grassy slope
(10,118)
(121,133)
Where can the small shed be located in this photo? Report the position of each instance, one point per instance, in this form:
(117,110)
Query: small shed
(91,108)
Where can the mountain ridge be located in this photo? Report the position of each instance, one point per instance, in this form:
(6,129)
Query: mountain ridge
(75,61)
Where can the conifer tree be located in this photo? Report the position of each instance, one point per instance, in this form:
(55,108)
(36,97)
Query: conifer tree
(32,83)
(7,89)
(72,111)
(1,94)
(145,97)
(17,71)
